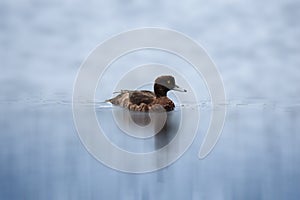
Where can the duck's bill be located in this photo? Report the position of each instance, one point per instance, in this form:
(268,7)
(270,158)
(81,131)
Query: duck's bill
(179,89)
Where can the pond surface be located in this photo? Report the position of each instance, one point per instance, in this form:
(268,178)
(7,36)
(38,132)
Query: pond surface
(254,45)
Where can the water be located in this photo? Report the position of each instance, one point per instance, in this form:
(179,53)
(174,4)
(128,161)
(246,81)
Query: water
(118,127)
(253,43)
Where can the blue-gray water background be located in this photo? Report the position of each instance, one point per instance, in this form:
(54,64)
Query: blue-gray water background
(255,45)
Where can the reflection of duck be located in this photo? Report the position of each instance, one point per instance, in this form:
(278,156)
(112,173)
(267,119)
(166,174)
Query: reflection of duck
(144,100)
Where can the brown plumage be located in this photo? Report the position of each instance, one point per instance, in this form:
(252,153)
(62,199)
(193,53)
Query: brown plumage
(144,100)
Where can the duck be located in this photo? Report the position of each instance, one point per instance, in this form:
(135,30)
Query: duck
(144,100)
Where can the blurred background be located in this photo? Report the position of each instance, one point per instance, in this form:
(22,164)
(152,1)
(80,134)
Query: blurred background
(255,45)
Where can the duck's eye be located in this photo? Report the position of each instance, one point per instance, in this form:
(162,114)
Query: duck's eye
(169,82)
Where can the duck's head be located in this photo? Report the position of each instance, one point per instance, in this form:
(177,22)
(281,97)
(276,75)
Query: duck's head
(165,83)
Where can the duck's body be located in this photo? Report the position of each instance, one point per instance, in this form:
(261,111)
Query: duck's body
(144,100)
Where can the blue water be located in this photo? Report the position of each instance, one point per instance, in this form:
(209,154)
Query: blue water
(253,43)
